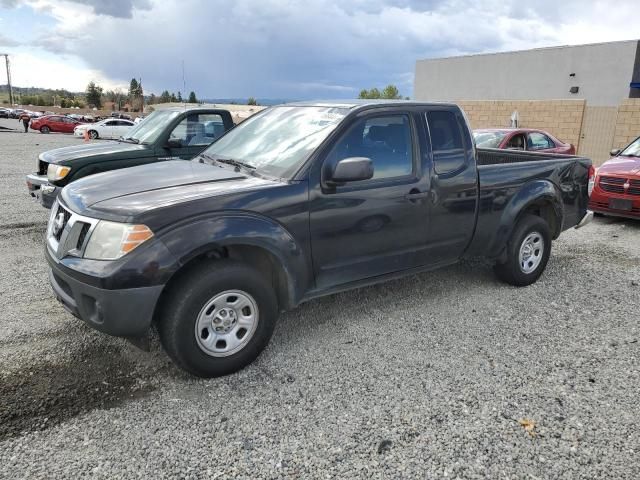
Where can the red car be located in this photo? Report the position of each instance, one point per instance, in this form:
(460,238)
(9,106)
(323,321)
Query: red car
(521,139)
(616,190)
(54,123)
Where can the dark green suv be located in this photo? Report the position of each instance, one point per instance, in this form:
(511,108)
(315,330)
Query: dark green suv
(168,134)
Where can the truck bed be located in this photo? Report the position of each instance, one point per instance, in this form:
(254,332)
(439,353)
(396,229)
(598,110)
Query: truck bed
(506,180)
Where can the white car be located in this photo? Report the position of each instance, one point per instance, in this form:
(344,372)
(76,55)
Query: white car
(109,128)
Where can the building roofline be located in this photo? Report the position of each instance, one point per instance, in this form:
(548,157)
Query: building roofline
(553,47)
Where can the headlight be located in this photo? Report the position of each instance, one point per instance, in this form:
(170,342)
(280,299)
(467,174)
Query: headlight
(111,240)
(57,172)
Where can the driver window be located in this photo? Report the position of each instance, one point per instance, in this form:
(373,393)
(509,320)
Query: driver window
(385,140)
(198,130)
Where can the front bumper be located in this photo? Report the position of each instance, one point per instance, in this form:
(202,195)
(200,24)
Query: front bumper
(40,188)
(121,313)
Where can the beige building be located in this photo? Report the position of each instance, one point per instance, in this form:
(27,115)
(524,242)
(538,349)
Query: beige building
(588,95)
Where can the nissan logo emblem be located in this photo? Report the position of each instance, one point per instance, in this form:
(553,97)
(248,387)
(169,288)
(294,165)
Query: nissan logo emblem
(58,223)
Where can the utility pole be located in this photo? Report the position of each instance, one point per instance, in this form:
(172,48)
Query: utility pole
(6,60)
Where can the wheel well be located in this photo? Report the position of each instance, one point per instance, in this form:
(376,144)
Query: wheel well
(544,209)
(259,258)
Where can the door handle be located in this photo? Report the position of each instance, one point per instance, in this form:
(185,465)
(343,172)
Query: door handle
(416,194)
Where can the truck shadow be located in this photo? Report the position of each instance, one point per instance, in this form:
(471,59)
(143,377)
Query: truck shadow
(42,394)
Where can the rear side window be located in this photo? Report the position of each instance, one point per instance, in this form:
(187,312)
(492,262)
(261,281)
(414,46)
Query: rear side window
(446,141)
(539,141)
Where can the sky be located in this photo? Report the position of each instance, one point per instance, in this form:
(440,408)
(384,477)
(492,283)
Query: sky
(287,49)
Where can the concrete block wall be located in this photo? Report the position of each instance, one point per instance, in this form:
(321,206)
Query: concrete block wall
(627,123)
(561,118)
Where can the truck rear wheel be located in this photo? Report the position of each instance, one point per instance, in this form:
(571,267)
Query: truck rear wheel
(528,252)
(218,318)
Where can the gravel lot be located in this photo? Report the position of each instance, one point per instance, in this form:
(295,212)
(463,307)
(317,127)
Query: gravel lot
(444,375)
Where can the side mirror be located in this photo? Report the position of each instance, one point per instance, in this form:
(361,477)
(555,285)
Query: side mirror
(352,169)
(174,143)
(615,152)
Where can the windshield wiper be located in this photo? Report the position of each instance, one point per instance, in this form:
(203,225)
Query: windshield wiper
(235,163)
(130,140)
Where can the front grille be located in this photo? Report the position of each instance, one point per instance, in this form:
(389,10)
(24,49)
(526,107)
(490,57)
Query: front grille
(82,235)
(617,184)
(66,215)
(42,167)
(612,184)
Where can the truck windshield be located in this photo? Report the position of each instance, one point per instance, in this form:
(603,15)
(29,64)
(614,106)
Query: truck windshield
(149,130)
(488,139)
(278,141)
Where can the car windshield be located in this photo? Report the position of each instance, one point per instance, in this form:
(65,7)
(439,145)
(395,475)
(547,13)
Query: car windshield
(488,139)
(149,130)
(278,140)
(632,150)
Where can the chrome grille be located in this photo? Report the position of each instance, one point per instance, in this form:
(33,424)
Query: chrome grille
(68,232)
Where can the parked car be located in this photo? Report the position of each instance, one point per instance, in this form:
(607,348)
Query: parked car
(616,189)
(296,202)
(4,112)
(16,112)
(164,135)
(54,123)
(521,139)
(105,129)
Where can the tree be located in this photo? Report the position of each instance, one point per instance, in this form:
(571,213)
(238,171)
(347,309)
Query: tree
(252,101)
(165,97)
(192,97)
(152,99)
(94,95)
(373,93)
(179,97)
(173,97)
(389,92)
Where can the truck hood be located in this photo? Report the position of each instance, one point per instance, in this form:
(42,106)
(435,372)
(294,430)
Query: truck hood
(129,192)
(84,150)
(621,165)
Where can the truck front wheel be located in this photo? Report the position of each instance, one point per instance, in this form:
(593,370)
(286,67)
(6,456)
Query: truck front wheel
(527,252)
(218,318)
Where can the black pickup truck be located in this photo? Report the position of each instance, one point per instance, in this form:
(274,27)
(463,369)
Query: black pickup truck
(169,134)
(299,201)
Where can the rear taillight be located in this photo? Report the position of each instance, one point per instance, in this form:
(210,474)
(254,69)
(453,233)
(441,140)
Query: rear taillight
(592,178)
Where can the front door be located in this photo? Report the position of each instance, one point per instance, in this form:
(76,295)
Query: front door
(373,227)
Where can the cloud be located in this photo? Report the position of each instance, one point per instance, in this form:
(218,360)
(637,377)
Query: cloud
(116,8)
(7,42)
(308,48)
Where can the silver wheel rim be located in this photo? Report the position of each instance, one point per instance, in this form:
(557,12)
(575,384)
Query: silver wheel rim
(94,135)
(226,323)
(531,252)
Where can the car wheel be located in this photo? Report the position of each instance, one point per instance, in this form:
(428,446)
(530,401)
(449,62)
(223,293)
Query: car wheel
(44,129)
(93,134)
(218,318)
(527,252)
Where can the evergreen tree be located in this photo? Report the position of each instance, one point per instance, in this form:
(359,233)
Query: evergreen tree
(192,98)
(94,95)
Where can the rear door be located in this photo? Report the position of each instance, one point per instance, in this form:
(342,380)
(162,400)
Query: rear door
(121,128)
(454,183)
(367,228)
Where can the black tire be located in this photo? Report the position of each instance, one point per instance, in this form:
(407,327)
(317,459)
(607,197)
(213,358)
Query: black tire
(511,270)
(44,129)
(183,303)
(93,134)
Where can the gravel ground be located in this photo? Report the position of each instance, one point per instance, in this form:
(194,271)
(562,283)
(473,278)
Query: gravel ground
(444,375)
